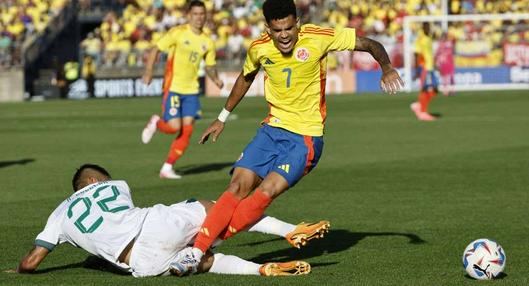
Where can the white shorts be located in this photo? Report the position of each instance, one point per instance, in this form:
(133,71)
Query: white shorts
(166,230)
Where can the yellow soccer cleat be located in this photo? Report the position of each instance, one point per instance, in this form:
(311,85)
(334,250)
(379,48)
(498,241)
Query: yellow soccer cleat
(307,231)
(284,268)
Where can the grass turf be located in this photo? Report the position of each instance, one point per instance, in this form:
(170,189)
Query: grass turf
(404,197)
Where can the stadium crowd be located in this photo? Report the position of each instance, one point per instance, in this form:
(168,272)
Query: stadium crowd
(19,20)
(123,39)
(132,26)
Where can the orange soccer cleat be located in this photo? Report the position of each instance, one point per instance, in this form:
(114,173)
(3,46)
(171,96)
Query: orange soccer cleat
(307,231)
(285,268)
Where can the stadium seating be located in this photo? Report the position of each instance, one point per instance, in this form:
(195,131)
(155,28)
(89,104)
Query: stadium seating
(19,21)
(132,26)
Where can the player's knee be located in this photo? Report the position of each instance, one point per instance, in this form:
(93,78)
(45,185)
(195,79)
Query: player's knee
(239,189)
(270,191)
(242,182)
(273,185)
(175,123)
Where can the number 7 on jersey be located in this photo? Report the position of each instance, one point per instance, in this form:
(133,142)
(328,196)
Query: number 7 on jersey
(289,75)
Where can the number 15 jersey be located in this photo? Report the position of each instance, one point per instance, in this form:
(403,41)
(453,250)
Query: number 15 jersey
(185,51)
(295,83)
(100,218)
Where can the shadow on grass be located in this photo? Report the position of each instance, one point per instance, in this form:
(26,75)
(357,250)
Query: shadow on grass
(500,276)
(197,169)
(337,240)
(4,164)
(91,262)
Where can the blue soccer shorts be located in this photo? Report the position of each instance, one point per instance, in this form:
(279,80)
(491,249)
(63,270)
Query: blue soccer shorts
(277,150)
(176,105)
(428,80)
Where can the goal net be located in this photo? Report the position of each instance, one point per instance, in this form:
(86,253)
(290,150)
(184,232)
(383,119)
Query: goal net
(490,51)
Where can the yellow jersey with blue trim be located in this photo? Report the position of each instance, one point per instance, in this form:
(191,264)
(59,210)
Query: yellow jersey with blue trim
(185,50)
(423,47)
(295,82)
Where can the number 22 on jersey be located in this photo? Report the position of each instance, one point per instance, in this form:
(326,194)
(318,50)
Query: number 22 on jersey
(102,203)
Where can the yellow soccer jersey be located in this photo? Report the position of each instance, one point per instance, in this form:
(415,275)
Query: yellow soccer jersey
(295,84)
(423,47)
(185,51)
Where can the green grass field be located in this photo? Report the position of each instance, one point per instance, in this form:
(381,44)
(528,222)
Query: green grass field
(404,197)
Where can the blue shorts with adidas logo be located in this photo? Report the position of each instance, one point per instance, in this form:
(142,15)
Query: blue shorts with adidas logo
(278,150)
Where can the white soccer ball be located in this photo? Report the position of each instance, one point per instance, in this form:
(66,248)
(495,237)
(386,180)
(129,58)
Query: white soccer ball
(484,259)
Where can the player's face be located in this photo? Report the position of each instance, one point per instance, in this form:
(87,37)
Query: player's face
(197,17)
(284,33)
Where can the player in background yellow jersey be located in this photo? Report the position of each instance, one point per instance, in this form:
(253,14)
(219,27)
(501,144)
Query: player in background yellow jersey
(289,143)
(186,46)
(424,70)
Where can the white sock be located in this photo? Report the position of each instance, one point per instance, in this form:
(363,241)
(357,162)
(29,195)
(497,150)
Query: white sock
(271,225)
(229,264)
(166,167)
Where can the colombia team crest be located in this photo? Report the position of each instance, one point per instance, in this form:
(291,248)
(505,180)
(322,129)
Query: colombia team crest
(301,54)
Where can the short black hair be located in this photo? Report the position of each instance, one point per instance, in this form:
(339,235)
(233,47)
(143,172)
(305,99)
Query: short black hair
(278,9)
(195,3)
(77,177)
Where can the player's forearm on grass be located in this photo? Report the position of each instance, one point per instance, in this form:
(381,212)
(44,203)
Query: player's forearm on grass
(31,261)
(240,88)
(376,50)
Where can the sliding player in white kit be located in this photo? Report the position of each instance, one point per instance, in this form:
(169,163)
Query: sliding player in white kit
(101,218)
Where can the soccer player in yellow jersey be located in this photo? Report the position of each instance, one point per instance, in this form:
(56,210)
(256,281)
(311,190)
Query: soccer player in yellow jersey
(186,46)
(424,65)
(289,143)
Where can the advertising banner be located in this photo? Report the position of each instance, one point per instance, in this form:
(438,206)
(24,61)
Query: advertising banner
(516,54)
(115,87)
(369,81)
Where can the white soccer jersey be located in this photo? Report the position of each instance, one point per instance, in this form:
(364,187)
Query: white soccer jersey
(100,218)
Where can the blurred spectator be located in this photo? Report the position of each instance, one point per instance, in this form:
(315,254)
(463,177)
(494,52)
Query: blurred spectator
(89,74)
(444,59)
(21,20)
(235,23)
(92,46)
(59,79)
(71,74)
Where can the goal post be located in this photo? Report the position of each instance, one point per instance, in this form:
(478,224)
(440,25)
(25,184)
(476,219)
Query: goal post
(512,72)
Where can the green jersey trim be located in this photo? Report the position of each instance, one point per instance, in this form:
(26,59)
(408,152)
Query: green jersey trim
(45,244)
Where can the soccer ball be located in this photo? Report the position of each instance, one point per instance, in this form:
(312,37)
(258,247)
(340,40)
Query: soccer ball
(484,259)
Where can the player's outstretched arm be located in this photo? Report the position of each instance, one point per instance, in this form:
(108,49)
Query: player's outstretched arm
(391,81)
(149,66)
(241,86)
(31,261)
